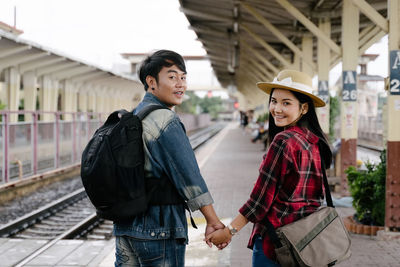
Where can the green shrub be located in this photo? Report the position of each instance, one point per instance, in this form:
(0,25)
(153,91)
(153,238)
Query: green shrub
(263,117)
(334,112)
(367,187)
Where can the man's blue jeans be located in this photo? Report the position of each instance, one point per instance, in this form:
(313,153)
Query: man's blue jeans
(149,253)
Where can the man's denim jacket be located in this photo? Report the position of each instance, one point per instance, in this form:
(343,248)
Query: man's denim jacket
(167,150)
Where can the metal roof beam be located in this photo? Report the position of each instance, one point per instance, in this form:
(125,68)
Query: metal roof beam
(248,57)
(257,68)
(260,57)
(372,14)
(88,76)
(14,50)
(369,35)
(250,67)
(213,41)
(74,71)
(310,26)
(278,34)
(38,63)
(369,43)
(55,67)
(218,57)
(207,16)
(247,79)
(252,79)
(208,31)
(15,60)
(269,48)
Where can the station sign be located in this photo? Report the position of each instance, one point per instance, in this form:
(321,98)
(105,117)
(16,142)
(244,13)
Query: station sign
(394,72)
(349,92)
(323,91)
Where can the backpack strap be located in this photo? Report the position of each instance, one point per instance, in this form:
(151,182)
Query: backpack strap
(115,116)
(148,109)
(173,198)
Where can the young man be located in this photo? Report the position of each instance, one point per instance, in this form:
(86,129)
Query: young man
(158,237)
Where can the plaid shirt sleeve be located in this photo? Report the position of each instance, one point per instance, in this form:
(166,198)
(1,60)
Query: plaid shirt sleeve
(277,161)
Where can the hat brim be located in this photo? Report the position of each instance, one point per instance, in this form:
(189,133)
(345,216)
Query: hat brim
(267,88)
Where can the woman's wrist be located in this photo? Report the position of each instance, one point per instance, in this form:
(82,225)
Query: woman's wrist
(232,230)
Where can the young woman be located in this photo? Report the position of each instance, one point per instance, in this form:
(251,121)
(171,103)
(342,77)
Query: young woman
(290,183)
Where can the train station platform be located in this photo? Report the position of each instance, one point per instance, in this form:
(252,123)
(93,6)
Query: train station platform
(229,163)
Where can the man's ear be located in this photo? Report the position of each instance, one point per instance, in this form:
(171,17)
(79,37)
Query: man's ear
(151,81)
(304,109)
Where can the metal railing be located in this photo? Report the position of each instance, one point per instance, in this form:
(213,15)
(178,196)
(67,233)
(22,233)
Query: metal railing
(49,140)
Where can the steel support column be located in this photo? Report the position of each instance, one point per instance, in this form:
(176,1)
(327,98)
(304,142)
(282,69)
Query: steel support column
(67,98)
(82,99)
(392,209)
(92,99)
(349,107)
(323,56)
(307,47)
(30,93)
(45,98)
(13,91)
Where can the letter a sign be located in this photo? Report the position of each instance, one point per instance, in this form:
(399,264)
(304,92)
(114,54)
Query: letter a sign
(395,72)
(323,91)
(349,92)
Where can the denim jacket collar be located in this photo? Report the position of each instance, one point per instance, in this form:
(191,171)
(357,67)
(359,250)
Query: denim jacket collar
(150,98)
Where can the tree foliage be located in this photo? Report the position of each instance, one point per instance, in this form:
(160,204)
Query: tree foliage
(334,111)
(196,104)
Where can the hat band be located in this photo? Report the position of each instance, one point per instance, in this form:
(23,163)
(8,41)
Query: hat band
(289,83)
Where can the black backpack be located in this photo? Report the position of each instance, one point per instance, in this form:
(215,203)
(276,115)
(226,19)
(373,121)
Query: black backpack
(112,169)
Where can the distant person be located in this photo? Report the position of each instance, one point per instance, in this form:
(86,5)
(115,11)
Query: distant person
(290,183)
(261,131)
(158,237)
(244,119)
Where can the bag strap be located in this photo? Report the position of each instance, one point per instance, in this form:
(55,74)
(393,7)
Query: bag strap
(142,114)
(328,196)
(270,228)
(148,109)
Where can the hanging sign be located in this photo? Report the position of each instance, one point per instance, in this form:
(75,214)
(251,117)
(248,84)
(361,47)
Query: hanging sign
(394,88)
(323,91)
(349,92)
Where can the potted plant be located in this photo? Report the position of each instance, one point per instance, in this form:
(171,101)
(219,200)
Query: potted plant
(367,187)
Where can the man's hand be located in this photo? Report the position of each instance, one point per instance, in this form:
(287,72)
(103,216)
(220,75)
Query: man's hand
(210,228)
(220,238)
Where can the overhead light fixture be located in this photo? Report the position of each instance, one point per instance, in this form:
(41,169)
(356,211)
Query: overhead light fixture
(235,27)
(231,70)
(235,11)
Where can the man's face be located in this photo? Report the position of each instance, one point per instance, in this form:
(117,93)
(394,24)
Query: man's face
(171,86)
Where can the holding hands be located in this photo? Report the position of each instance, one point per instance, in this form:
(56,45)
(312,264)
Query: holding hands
(220,238)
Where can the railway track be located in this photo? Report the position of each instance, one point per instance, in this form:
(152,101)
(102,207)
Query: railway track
(73,216)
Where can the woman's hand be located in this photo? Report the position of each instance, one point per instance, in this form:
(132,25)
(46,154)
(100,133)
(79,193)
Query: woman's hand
(220,238)
(211,228)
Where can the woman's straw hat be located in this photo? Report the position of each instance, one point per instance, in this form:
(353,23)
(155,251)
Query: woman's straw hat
(292,80)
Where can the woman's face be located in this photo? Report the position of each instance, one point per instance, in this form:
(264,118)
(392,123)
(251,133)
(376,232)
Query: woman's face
(285,108)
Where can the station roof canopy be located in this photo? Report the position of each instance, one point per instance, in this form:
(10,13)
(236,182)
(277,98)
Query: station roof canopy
(29,56)
(239,35)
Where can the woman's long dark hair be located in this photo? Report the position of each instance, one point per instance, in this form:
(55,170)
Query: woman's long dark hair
(309,121)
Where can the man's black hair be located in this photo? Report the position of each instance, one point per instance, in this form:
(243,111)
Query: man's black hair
(153,64)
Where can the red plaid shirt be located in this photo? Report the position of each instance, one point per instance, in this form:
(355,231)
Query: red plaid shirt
(289,186)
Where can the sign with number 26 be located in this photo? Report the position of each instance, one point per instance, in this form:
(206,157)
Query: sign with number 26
(395,72)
